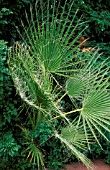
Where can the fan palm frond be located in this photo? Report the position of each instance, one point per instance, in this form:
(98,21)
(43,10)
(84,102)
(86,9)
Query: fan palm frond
(76,136)
(75,151)
(35,155)
(33,151)
(28,79)
(96,112)
(50,37)
(91,85)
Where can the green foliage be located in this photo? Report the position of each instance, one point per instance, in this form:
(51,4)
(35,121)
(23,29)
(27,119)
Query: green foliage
(49,50)
(56,81)
(8,146)
(96,152)
(3,13)
(7,102)
(97,15)
(107,152)
(42,132)
(55,158)
(9,11)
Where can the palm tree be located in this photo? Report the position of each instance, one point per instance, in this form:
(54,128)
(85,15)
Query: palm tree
(49,52)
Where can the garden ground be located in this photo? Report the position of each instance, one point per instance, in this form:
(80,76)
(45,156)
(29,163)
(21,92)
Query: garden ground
(97,165)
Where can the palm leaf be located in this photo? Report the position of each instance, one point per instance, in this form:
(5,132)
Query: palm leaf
(90,84)
(48,42)
(28,79)
(75,86)
(75,151)
(96,102)
(96,111)
(76,136)
(34,153)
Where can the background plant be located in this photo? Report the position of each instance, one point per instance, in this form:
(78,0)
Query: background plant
(52,47)
(66,104)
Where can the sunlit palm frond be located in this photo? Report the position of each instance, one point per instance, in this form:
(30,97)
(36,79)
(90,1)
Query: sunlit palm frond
(96,112)
(51,37)
(75,151)
(91,86)
(92,74)
(96,102)
(76,136)
(28,78)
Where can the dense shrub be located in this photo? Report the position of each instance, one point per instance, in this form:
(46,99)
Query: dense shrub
(7,95)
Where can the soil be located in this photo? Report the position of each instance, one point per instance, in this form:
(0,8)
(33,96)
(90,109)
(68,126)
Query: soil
(97,165)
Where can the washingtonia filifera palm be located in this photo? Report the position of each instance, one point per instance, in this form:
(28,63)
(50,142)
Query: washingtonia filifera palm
(50,51)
